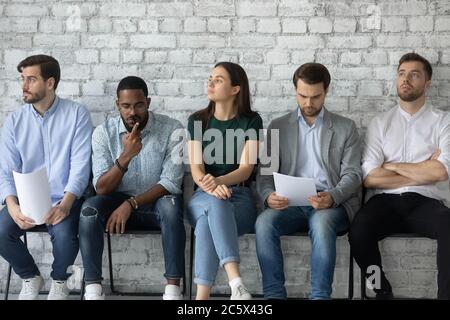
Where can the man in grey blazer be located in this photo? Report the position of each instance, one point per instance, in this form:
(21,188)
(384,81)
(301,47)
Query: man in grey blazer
(318,144)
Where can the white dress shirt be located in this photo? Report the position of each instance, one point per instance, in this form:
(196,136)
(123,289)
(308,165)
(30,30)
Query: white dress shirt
(396,136)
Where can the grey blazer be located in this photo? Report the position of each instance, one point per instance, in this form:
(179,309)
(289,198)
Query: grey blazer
(341,157)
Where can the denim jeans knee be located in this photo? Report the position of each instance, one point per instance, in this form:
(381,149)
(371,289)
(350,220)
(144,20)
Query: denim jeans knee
(217,226)
(170,214)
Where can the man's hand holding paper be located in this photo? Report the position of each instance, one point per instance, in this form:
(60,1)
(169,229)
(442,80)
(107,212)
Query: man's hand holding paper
(21,220)
(297,190)
(33,192)
(277,202)
(323,200)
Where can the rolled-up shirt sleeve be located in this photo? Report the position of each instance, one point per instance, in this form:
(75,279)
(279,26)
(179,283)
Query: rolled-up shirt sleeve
(373,156)
(172,173)
(10,160)
(444,143)
(102,159)
(80,158)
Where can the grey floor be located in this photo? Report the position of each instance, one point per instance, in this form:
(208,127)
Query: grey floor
(115,297)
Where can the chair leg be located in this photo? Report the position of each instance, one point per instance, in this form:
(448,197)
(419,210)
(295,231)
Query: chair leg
(83,287)
(183,292)
(363,284)
(8,281)
(191,262)
(350,276)
(111,277)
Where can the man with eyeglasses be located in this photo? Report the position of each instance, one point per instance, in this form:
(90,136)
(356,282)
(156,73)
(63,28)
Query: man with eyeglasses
(405,166)
(138,185)
(55,133)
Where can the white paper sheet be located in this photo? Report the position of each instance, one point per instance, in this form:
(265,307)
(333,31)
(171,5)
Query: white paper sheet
(296,189)
(33,192)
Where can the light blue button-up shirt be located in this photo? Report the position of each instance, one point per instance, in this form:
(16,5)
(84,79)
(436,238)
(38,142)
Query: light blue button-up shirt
(60,141)
(154,163)
(309,157)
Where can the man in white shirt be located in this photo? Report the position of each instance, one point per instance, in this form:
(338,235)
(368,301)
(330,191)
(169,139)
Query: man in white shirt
(405,168)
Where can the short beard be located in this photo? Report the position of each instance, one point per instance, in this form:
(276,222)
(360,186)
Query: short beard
(315,113)
(34,98)
(142,124)
(413,96)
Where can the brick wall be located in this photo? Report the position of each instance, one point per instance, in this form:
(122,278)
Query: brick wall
(173,44)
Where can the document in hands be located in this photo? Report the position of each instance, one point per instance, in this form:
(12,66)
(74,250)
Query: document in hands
(33,192)
(296,189)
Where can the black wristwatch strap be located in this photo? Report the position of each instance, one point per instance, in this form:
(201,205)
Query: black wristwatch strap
(123,169)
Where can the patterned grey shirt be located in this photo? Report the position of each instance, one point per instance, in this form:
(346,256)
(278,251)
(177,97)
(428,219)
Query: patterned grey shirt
(155,163)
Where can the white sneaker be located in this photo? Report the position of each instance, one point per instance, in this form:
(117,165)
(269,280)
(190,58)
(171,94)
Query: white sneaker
(93,291)
(172,292)
(30,288)
(58,291)
(240,292)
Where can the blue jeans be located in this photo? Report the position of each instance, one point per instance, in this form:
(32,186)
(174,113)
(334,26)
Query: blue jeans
(164,214)
(218,223)
(323,226)
(64,238)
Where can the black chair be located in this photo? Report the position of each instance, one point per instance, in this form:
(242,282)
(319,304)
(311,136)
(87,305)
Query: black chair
(39,228)
(363,278)
(297,234)
(110,266)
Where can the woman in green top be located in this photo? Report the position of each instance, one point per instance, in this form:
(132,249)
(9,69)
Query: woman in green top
(223,150)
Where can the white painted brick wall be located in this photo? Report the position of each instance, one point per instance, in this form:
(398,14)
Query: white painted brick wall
(173,45)
(219,25)
(124,25)
(351,58)
(320,25)
(50,26)
(293,26)
(420,24)
(269,25)
(100,25)
(264,8)
(148,25)
(171,25)
(394,24)
(347,24)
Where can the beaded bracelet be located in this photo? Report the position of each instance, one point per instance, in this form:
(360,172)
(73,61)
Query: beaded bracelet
(132,201)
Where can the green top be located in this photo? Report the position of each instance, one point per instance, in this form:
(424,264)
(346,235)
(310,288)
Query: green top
(223,141)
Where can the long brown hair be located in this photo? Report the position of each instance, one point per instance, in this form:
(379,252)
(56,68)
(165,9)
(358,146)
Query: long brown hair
(238,77)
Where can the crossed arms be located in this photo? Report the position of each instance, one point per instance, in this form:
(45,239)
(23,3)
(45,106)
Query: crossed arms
(392,175)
